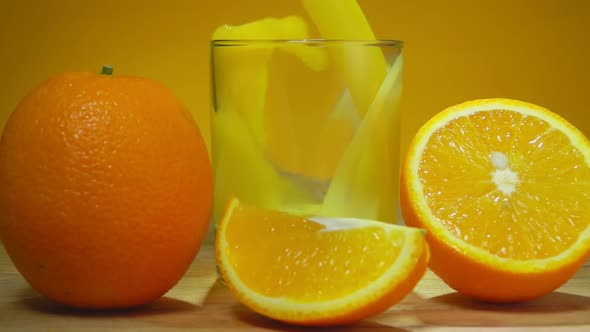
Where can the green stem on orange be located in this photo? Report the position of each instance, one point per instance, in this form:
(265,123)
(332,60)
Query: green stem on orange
(106,70)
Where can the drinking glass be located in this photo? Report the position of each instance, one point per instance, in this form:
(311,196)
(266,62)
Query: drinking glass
(310,127)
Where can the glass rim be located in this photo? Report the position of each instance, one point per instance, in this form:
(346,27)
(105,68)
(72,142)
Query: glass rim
(309,42)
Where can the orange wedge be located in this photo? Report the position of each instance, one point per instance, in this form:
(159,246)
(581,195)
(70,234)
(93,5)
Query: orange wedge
(317,271)
(503,188)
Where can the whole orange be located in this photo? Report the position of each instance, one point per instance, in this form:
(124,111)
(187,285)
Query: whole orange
(105,189)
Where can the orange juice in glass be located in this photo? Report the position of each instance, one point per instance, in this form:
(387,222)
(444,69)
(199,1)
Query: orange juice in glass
(309,127)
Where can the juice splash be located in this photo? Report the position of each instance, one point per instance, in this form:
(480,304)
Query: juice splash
(363,68)
(327,148)
(365,184)
(238,122)
(366,181)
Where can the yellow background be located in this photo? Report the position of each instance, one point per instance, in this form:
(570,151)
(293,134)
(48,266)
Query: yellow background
(532,50)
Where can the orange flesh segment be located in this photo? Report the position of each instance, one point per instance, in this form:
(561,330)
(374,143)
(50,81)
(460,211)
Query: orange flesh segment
(544,214)
(297,251)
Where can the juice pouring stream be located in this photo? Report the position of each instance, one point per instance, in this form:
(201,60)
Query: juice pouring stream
(357,188)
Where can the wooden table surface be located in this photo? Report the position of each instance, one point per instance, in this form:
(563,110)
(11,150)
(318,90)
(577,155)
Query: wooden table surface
(199,302)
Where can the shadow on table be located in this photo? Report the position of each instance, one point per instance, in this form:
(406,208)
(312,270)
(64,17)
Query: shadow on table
(164,305)
(251,318)
(222,307)
(554,309)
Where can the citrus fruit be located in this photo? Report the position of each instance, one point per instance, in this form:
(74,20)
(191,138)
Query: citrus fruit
(105,189)
(502,186)
(316,271)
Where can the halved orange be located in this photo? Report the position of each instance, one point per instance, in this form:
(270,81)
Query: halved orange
(317,271)
(503,188)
